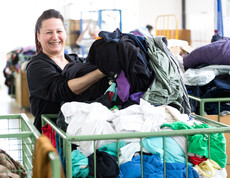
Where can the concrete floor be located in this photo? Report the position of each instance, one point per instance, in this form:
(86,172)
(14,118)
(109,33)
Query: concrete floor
(8,105)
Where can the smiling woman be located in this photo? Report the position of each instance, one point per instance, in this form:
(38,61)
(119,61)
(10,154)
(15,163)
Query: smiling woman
(48,87)
(52,37)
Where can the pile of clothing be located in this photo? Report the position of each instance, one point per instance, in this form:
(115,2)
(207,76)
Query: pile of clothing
(207,73)
(140,67)
(136,118)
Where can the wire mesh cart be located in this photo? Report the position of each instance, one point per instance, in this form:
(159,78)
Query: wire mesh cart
(17,139)
(202,102)
(65,141)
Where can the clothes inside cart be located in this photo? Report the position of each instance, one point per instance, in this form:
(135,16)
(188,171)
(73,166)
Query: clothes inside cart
(11,167)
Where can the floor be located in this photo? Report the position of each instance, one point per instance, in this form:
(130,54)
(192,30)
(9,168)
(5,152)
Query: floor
(9,105)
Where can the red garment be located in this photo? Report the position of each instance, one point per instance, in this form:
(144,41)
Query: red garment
(196,160)
(50,133)
(111,94)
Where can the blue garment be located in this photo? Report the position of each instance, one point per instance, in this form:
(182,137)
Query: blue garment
(60,151)
(139,41)
(222,82)
(154,168)
(217,88)
(111,36)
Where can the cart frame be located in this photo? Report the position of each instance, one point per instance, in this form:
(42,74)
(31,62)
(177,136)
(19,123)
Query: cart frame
(67,140)
(27,134)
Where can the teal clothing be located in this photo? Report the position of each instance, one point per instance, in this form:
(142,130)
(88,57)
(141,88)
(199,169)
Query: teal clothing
(198,143)
(173,153)
(79,160)
(167,87)
(113,89)
(112,148)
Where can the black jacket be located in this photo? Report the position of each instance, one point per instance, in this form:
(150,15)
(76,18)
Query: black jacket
(48,87)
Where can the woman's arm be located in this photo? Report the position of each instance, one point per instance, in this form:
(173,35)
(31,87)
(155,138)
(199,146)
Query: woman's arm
(80,84)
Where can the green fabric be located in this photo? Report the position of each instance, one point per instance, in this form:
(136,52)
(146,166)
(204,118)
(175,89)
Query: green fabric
(78,160)
(112,148)
(198,143)
(166,87)
(179,125)
(114,108)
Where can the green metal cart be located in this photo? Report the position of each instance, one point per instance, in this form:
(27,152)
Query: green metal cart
(202,102)
(66,140)
(17,138)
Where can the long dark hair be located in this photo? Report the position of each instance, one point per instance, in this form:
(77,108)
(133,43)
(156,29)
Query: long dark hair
(48,14)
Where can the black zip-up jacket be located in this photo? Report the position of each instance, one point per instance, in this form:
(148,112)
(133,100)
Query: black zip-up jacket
(48,87)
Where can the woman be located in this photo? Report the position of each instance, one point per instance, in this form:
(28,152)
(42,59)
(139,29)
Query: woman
(48,88)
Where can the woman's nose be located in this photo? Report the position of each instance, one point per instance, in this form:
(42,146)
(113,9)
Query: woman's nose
(55,35)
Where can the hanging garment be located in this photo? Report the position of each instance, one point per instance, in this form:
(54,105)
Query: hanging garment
(41,163)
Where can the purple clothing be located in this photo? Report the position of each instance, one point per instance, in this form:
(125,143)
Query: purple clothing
(216,53)
(136,96)
(123,87)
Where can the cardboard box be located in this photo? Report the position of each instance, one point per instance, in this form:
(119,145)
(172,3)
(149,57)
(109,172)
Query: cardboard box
(22,91)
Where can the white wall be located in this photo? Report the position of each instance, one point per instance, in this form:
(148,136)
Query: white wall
(200,20)
(18,17)
(199,16)
(150,9)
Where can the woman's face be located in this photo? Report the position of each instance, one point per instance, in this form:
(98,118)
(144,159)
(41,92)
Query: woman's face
(52,36)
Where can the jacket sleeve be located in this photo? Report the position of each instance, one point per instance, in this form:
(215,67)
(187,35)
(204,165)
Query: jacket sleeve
(46,82)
